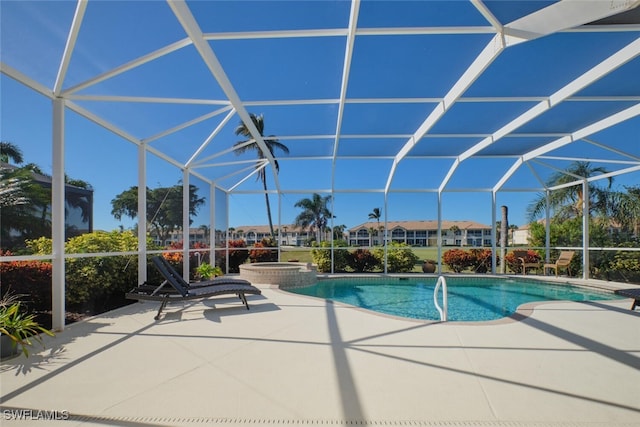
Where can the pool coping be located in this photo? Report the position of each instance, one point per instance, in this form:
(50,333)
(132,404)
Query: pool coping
(522,312)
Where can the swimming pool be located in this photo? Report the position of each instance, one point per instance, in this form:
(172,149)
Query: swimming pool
(470,299)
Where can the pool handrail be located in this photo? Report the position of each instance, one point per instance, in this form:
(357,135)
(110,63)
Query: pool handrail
(442,310)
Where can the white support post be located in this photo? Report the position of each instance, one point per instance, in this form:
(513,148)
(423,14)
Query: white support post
(142,214)
(58,280)
(212,224)
(226,244)
(547,229)
(185,225)
(585,229)
(279,239)
(439,237)
(386,230)
(494,246)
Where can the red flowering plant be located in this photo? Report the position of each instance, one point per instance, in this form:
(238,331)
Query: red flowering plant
(457,260)
(258,254)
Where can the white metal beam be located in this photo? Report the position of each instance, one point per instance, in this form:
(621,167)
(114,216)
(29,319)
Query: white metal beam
(147,99)
(614,61)
(613,150)
(191,27)
(187,124)
(563,15)
(482,61)
(508,175)
(81,7)
(128,66)
(605,123)
(488,15)
(116,130)
(346,66)
(210,137)
(27,81)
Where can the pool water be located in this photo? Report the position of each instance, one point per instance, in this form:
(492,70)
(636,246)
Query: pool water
(469,299)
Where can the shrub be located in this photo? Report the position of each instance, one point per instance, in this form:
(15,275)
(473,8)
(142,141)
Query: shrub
(29,278)
(515,265)
(457,260)
(480,260)
(626,266)
(98,283)
(237,255)
(321,256)
(363,260)
(400,257)
(264,255)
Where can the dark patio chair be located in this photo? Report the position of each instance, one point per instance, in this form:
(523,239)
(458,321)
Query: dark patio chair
(180,290)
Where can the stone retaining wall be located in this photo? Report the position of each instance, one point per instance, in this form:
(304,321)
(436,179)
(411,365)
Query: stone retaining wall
(279,273)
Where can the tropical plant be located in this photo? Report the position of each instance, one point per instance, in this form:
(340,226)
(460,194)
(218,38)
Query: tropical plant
(457,260)
(250,144)
(480,260)
(315,214)
(375,214)
(338,232)
(164,207)
(18,325)
(238,254)
(32,278)
(321,255)
(567,202)
(363,260)
(259,253)
(515,265)
(400,257)
(10,151)
(99,283)
(206,271)
(626,209)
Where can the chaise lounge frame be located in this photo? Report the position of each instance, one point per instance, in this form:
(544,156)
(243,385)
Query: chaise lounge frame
(180,290)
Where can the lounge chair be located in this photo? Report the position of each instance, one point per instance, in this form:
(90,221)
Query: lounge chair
(163,266)
(634,294)
(521,256)
(564,260)
(182,291)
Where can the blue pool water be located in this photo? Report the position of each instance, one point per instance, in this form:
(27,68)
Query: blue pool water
(470,299)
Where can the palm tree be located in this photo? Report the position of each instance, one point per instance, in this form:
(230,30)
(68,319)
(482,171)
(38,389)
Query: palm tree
(338,232)
(454,229)
(375,214)
(504,237)
(626,209)
(246,146)
(9,151)
(567,202)
(316,214)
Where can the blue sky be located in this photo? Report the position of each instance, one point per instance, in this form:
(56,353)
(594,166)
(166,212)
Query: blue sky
(267,72)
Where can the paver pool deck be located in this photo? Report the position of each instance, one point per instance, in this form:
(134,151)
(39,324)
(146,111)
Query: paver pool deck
(298,360)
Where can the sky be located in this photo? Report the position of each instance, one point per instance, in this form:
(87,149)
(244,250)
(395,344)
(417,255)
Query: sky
(403,66)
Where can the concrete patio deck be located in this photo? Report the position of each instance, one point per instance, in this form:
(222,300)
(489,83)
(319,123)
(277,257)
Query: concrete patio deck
(302,361)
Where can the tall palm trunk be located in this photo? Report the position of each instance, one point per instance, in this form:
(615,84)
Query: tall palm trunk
(504,238)
(266,196)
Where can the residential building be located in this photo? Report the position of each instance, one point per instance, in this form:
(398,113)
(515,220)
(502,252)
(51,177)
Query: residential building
(287,235)
(421,233)
(78,213)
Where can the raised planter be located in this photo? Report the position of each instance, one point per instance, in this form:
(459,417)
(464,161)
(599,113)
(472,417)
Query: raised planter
(7,349)
(279,273)
(428,267)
